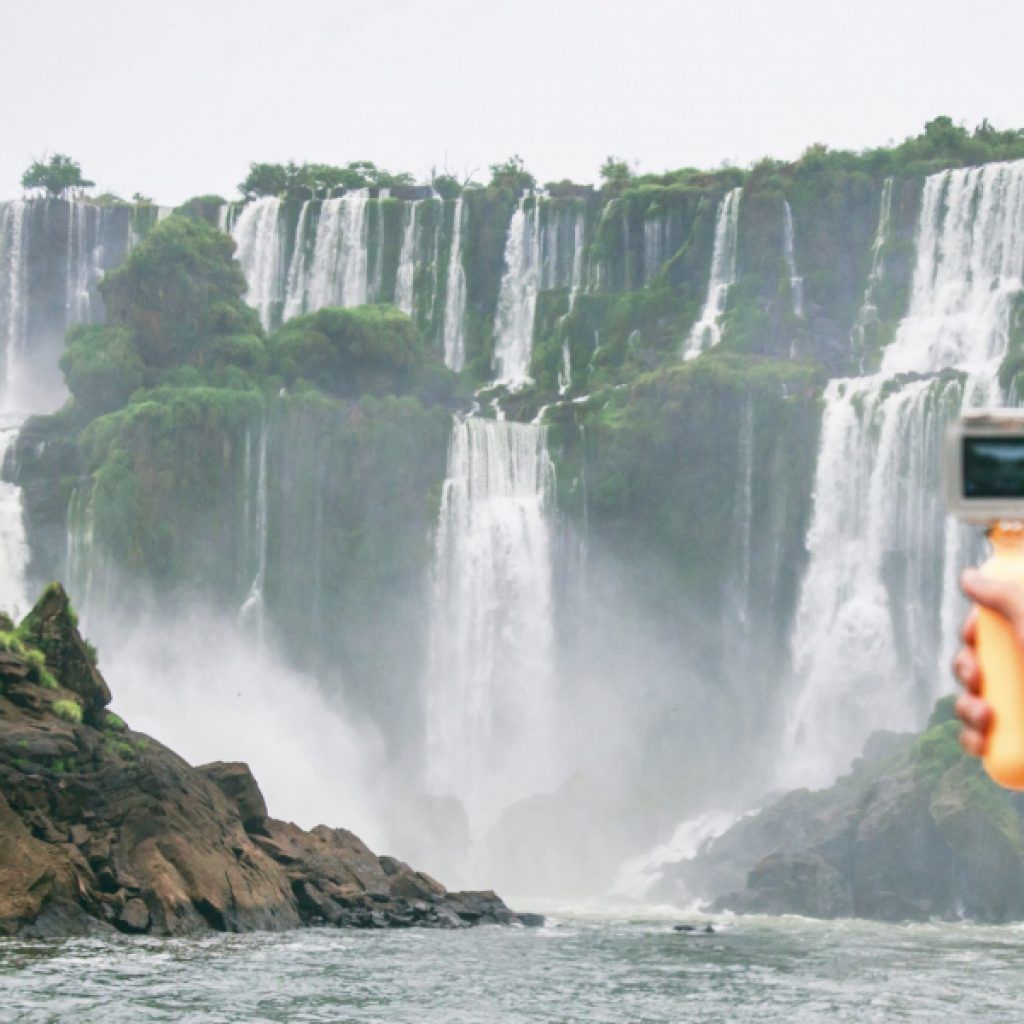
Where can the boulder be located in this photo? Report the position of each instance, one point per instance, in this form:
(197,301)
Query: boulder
(236,782)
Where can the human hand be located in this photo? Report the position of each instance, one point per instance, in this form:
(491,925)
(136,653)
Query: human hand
(1007,599)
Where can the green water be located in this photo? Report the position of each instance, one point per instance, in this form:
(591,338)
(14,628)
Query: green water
(579,968)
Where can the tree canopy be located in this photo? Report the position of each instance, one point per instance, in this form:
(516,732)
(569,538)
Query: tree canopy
(56,176)
(316,181)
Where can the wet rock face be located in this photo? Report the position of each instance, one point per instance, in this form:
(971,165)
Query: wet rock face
(103,827)
(915,831)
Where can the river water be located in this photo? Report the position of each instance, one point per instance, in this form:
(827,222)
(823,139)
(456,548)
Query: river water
(579,968)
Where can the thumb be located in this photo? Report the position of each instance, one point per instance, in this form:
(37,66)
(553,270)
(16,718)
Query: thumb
(1003,597)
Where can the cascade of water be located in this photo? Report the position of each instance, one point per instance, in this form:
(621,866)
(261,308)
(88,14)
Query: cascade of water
(13,545)
(879,596)
(455,298)
(578,240)
(257,233)
(253,610)
(296,282)
(565,370)
(656,232)
(639,875)
(970,261)
(517,298)
(796,282)
(84,257)
(260,252)
(405,282)
(707,332)
(868,312)
(488,694)
(13,313)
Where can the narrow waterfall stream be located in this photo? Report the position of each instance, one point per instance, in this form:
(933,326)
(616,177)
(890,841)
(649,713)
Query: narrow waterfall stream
(707,331)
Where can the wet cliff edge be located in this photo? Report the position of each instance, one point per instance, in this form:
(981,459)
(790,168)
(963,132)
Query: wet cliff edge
(103,828)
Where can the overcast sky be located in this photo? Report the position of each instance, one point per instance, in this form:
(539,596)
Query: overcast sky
(174,98)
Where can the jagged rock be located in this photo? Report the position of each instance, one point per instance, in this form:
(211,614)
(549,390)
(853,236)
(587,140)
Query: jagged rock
(103,827)
(236,782)
(134,918)
(52,628)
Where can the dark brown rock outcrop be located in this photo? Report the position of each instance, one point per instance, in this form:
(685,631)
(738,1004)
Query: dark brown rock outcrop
(105,828)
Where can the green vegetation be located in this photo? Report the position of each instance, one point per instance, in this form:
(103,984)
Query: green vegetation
(373,350)
(511,176)
(178,293)
(68,710)
(113,723)
(56,177)
(316,181)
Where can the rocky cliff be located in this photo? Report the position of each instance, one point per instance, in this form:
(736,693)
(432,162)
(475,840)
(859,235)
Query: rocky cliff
(102,827)
(914,831)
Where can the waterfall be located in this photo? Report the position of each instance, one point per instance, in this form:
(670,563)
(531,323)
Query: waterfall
(796,282)
(707,331)
(13,312)
(254,516)
(879,598)
(578,240)
(257,233)
(455,298)
(405,282)
(52,256)
(295,283)
(970,261)
(13,545)
(488,695)
(867,315)
(517,297)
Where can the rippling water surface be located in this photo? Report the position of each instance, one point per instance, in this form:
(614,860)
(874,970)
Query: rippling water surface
(579,968)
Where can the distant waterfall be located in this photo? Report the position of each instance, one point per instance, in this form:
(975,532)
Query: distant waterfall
(707,332)
(52,256)
(867,315)
(337,273)
(544,250)
(13,311)
(13,546)
(796,282)
(257,232)
(454,334)
(405,281)
(879,599)
(489,686)
(517,298)
(255,530)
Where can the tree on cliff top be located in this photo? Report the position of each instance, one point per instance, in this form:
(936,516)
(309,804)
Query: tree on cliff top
(512,175)
(316,181)
(57,176)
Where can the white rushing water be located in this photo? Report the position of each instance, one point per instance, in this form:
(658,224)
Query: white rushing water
(517,297)
(707,332)
(252,614)
(867,315)
(13,311)
(405,280)
(879,599)
(489,687)
(796,282)
(639,875)
(260,252)
(13,545)
(454,338)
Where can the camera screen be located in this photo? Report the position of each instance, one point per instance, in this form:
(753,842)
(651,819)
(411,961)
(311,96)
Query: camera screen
(994,467)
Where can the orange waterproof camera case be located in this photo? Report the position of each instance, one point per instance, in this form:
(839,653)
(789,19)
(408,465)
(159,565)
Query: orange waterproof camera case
(985,486)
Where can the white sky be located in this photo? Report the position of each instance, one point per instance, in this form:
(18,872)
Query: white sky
(174,98)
